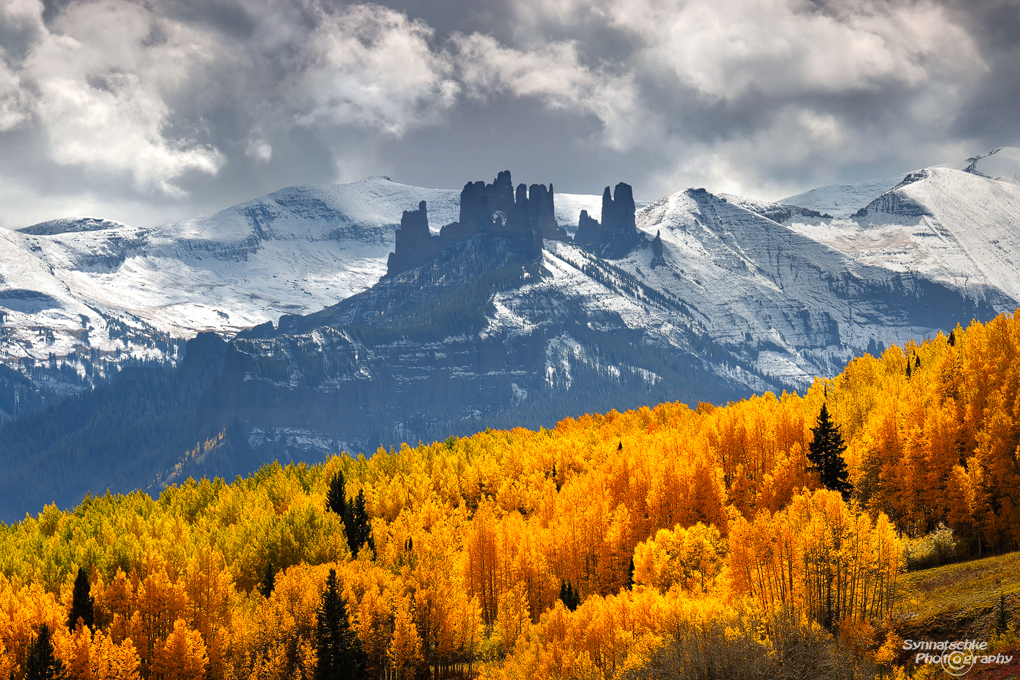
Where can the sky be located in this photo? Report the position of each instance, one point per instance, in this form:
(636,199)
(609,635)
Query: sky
(150,111)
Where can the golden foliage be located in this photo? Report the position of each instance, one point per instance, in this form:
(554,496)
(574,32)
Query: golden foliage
(716,507)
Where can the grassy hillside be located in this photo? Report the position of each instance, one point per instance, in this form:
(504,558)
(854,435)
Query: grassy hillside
(962,602)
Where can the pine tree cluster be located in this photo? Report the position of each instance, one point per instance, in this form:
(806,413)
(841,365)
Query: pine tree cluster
(356,525)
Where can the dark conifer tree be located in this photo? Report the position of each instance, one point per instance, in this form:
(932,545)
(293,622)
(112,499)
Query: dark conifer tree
(630,575)
(826,455)
(83,605)
(952,338)
(336,645)
(568,596)
(361,523)
(336,497)
(40,663)
(268,583)
(1002,616)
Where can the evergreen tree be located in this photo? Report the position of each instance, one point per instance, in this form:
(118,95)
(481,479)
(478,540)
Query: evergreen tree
(826,455)
(1002,617)
(336,497)
(41,664)
(630,575)
(361,526)
(337,646)
(82,602)
(568,596)
(268,583)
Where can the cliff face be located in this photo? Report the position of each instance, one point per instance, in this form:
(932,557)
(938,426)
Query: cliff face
(617,234)
(415,244)
(526,216)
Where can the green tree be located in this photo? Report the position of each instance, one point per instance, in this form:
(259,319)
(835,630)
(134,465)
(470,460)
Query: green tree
(1002,616)
(268,583)
(337,646)
(357,526)
(41,664)
(82,603)
(826,455)
(336,497)
(568,596)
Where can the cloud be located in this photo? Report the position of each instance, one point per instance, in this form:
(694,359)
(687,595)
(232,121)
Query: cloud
(184,106)
(765,95)
(552,73)
(14,104)
(258,148)
(371,66)
(725,49)
(97,82)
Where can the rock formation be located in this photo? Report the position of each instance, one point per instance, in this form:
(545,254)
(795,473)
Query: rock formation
(657,251)
(526,216)
(617,234)
(415,244)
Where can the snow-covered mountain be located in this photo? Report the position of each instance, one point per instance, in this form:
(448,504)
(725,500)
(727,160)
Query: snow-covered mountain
(699,297)
(79,298)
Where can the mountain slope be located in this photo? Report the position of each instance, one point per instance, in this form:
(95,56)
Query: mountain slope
(82,297)
(707,298)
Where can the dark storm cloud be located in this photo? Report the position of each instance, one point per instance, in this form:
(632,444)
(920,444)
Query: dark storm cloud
(147,111)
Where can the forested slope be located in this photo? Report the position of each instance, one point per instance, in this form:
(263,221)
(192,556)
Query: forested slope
(666,523)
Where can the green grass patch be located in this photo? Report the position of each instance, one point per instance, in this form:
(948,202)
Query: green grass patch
(958,601)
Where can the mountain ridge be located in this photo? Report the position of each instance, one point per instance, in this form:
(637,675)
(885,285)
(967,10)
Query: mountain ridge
(705,298)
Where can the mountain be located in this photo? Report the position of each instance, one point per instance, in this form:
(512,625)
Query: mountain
(82,298)
(696,297)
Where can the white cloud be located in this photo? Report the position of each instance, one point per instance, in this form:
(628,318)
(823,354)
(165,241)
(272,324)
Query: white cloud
(15,104)
(371,66)
(258,147)
(725,49)
(554,74)
(99,79)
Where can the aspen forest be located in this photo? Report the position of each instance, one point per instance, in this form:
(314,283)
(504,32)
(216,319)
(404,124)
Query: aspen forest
(684,535)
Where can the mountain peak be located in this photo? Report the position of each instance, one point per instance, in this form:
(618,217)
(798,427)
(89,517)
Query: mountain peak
(67,225)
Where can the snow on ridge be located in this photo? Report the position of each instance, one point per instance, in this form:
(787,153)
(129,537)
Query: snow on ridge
(843,200)
(303,248)
(1001,164)
(71,224)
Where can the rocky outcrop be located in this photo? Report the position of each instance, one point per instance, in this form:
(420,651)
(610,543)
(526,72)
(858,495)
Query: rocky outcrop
(525,216)
(415,244)
(657,251)
(617,234)
(618,212)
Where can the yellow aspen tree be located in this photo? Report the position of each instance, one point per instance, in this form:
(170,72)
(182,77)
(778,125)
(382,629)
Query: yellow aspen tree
(404,652)
(209,590)
(160,602)
(482,558)
(182,657)
(112,661)
(8,665)
(75,651)
(374,627)
(514,617)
